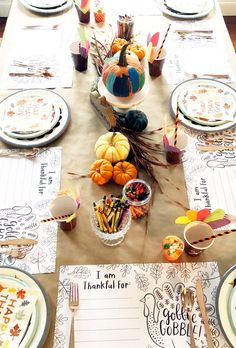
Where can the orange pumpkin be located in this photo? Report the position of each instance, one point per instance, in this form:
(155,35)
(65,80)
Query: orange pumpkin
(172,248)
(138,49)
(123,172)
(101,171)
(117,45)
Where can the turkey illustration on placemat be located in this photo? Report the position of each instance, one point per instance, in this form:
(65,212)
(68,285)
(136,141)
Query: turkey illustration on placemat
(136,305)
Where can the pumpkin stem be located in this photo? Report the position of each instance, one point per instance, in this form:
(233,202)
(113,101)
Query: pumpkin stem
(122,58)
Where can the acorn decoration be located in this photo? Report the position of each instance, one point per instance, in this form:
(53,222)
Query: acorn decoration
(123,77)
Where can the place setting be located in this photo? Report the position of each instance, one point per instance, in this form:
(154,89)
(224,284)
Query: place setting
(186,9)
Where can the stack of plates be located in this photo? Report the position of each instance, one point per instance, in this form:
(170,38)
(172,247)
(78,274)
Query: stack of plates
(205,104)
(226,305)
(33,117)
(185,8)
(38,327)
(47,6)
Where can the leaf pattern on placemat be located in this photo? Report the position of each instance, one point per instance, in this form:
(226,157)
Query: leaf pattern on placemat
(141,281)
(125,270)
(156,271)
(81,272)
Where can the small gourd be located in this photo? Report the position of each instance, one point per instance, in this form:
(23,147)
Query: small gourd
(123,77)
(138,49)
(136,120)
(112,146)
(101,171)
(117,45)
(123,172)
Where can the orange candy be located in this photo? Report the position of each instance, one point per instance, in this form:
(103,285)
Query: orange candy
(172,248)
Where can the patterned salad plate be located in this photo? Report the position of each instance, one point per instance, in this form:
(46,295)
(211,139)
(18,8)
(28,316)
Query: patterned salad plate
(46,116)
(39,324)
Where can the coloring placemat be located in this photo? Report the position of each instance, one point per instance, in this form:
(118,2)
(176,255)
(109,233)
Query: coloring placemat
(40,58)
(27,186)
(136,305)
(211,176)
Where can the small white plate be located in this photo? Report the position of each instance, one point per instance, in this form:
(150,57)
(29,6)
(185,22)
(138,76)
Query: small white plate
(40,321)
(206,10)
(174,98)
(49,11)
(206,101)
(10,104)
(222,298)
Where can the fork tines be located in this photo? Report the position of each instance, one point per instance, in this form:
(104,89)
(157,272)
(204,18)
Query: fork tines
(74,296)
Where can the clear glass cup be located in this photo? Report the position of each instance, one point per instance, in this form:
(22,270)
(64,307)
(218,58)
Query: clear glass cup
(113,238)
(138,207)
(125,27)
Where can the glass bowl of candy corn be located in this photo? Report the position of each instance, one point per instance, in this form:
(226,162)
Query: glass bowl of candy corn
(137,193)
(110,219)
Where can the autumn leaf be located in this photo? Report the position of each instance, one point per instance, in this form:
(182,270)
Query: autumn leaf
(2,287)
(15,331)
(21,294)
(20,314)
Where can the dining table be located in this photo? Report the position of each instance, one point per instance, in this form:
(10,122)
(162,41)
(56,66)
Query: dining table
(142,244)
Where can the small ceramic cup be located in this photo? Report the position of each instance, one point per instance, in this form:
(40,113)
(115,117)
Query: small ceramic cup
(194,231)
(112,238)
(64,205)
(173,153)
(155,68)
(137,193)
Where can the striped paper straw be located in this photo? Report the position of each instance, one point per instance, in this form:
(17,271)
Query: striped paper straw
(54,218)
(159,53)
(221,234)
(176,124)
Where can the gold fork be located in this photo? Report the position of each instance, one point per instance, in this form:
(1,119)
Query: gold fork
(18,252)
(73,305)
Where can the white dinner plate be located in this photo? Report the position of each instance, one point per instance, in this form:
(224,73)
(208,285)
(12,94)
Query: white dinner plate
(46,138)
(40,321)
(224,292)
(50,101)
(174,98)
(204,12)
(46,4)
(49,11)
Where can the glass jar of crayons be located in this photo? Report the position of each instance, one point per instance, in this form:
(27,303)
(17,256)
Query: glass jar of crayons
(137,193)
(111,219)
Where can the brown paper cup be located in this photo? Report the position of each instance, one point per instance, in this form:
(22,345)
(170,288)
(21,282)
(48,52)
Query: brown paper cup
(155,68)
(194,231)
(64,205)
